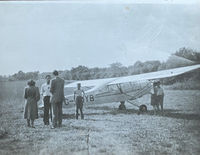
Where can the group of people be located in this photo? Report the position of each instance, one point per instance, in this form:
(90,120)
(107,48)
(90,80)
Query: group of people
(157,97)
(52,92)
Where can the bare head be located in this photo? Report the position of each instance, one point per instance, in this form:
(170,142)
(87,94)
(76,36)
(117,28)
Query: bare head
(55,73)
(79,85)
(48,78)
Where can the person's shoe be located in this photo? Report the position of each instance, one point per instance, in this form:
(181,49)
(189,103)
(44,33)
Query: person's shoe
(52,127)
(33,126)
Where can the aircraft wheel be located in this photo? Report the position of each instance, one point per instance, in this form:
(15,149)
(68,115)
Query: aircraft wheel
(143,108)
(122,105)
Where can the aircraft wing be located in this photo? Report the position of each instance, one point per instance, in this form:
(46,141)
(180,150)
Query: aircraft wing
(155,75)
(91,83)
(133,78)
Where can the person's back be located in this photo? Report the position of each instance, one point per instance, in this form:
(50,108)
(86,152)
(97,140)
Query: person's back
(32,93)
(57,89)
(32,96)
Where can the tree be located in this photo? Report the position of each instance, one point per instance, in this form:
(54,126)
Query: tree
(188,53)
(19,76)
(117,69)
(80,73)
(66,75)
(147,66)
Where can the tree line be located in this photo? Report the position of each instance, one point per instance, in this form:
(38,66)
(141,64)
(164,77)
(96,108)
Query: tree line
(182,57)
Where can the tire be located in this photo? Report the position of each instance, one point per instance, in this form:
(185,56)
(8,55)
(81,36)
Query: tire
(143,108)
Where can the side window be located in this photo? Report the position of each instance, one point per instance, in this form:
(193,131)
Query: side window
(113,88)
(103,90)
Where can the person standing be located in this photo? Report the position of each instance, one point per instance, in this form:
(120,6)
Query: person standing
(154,102)
(46,94)
(160,96)
(78,98)
(57,90)
(32,96)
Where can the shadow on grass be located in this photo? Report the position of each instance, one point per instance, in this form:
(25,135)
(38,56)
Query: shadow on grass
(171,113)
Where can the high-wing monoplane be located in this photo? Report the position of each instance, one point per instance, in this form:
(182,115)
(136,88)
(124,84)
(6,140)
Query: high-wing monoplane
(121,89)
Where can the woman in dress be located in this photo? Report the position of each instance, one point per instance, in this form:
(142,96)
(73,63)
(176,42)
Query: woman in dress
(32,96)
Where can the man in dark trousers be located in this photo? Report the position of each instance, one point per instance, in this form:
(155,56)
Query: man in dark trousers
(78,98)
(57,90)
(46,94)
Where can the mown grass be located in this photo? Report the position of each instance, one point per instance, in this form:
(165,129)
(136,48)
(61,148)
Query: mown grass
(12,102)
(178,127)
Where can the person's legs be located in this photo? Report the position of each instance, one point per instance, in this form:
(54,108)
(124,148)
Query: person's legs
(154,109)
(59,114)
(45,119)
(48,109)
(157,103)
(55,114)
(154,103)
(32,123)
(76,110)
(157,107)
(81,111)
(78,102)
(161,102)
(28,122)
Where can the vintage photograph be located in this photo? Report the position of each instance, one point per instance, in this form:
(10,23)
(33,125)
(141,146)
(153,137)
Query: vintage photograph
(100,77)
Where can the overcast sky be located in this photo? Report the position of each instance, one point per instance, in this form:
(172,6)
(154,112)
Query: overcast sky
(46,36)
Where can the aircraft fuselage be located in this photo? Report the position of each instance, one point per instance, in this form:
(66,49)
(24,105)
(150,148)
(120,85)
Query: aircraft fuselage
(115,93)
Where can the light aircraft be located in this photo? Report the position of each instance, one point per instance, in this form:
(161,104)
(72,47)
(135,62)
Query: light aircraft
(121,89)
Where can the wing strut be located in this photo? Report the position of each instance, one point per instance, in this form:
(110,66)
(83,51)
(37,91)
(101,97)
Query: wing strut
(136,95)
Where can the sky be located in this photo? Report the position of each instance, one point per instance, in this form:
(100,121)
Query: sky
(44,36)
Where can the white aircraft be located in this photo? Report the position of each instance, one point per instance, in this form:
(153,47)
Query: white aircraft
(121,89)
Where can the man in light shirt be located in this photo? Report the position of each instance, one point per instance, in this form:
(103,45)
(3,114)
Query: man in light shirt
(78,98)
(45,92)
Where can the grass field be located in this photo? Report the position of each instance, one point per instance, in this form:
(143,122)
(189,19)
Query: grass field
(105,130)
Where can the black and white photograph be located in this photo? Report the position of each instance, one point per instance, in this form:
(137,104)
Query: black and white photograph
(100,77)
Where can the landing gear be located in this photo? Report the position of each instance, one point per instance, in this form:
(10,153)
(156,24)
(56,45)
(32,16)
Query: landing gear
(122,105)
(142,109)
